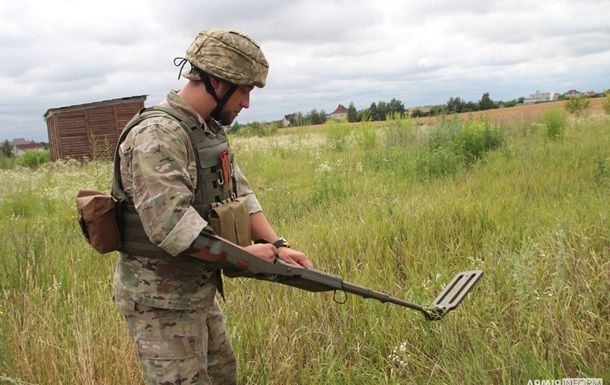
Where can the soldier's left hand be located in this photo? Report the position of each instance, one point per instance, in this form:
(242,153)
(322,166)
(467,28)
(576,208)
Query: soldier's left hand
(294,257)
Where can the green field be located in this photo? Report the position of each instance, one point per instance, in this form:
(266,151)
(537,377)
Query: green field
(394,207)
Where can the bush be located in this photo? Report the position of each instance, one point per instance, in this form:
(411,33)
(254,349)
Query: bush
(577,104)
(34,158)
(6,163)
(606,103)
(257,129)
(477,138)
(365,135)
(453,145)
(436,162)
(556,121)
(337,135)
(400,132)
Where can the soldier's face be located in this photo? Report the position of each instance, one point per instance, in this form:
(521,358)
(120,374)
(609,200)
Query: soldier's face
(240,99)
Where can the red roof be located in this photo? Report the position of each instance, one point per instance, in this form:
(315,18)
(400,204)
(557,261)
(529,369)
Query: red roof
(340,110)
(29,146)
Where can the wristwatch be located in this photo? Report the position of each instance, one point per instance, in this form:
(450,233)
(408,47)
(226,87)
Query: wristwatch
(281,242)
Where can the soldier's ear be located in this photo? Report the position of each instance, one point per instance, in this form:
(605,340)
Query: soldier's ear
(217,84)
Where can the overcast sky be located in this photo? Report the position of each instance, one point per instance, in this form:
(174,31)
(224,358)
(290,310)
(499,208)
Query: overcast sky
(57,53)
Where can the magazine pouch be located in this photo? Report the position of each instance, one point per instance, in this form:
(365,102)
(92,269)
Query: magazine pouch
(230,219)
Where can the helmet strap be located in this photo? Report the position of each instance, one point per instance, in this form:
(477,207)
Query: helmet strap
(220,102)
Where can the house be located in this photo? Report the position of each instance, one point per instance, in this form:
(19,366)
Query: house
(288,119)
(571,93)
(18,141)
(20,146)
(89,130)
(540,97)
(340,113)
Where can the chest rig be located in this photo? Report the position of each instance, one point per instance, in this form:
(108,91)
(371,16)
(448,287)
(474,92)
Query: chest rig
(215,180)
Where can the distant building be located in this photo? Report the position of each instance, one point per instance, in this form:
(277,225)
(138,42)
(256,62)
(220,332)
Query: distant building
(18,141)
(20,146)
(340,113)
(288,119)
(571,93)
(541,97)
(89,130)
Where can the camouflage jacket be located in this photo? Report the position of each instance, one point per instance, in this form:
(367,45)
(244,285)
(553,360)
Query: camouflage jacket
(159,174)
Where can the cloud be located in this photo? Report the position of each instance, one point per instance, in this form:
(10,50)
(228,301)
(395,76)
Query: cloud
(322,53)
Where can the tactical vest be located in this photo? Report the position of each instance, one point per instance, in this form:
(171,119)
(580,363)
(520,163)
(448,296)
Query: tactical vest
(215,183)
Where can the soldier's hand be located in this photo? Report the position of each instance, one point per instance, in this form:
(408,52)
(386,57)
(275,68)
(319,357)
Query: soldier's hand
(294,257)
(264,251)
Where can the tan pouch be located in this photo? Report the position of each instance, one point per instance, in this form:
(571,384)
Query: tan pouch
(231,220)
(97,219)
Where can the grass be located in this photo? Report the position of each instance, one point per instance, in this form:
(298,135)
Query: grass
(533,214)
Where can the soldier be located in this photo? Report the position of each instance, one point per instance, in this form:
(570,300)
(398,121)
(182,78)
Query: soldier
(173,167)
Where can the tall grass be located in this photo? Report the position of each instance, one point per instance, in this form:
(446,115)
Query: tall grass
(532,213)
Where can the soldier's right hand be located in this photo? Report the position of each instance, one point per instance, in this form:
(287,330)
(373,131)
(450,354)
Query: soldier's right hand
(264,251)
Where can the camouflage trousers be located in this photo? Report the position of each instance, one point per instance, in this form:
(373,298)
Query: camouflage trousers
(179,347)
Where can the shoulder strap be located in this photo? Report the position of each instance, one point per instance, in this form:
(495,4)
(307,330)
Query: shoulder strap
(187,123)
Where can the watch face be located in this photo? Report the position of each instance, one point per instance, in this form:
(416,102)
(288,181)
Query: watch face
(281,242)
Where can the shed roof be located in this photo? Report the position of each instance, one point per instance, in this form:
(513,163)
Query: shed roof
(50,112)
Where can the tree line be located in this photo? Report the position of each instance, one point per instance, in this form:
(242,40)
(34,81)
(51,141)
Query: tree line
(380,111)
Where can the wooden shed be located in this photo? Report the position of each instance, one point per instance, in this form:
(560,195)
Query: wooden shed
(89,130)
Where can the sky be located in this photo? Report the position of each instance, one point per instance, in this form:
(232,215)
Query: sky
(57,53)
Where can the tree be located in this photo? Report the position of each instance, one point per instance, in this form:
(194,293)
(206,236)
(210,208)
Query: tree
(396,107)
(314,117)
(486,103)
(298,120)
(236,126)
(7,149)
(382,111)
(577,104)
(323,116)
(470,107)
(371,113)
(352,113)
(455,105)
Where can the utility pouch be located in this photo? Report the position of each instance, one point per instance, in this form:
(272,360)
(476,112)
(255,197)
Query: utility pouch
(230,219)
(98,221)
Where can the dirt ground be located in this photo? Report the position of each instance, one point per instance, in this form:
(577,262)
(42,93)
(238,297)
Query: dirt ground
(521,113)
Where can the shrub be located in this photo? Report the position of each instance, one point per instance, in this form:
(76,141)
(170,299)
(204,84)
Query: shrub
(476,138)
(400,132)
(257,129)
(7,163)
(577,104)
(453,144)
(606,103)
(556,121)
(337,135)
(436,162)
(34,158)
(365,135)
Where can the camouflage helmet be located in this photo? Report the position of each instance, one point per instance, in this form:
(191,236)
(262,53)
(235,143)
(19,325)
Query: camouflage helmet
(228,55)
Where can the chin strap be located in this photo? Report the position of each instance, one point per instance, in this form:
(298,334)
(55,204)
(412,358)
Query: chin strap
(205,78)
(220,103)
